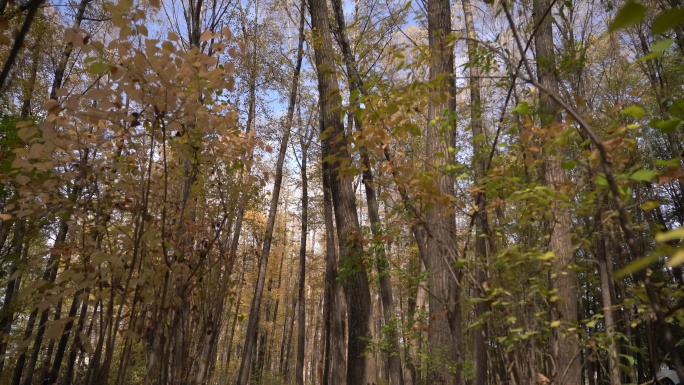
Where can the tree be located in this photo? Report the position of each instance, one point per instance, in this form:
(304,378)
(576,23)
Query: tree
(360,367)
(445,331)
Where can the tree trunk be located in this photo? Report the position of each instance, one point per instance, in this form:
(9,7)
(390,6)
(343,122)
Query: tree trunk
(356,84)
(481,228)
(607,297)
(568,368)
(444,335)
(301,314)
(336,358)
(360,367)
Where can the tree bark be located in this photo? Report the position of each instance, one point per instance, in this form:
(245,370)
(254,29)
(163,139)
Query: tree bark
(335,359)
(360,367)
(568,369)
(356,84)
(301,314)
(444,335)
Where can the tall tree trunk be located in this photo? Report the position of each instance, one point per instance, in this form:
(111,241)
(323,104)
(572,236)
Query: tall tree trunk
(444,334)
(607,297)
(565,349)
(243,376)
(356,84)
(481,220)
(360,366)
(301,314)
(335,359)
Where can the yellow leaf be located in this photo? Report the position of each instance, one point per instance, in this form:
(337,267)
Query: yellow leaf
(670,235)
(677,259)
(555,324)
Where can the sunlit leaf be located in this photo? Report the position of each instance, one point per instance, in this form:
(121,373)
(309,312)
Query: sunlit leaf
(522,108)
(643,175)
(677,259)
(634,111)
(670,235)
(649,205)
(662,45)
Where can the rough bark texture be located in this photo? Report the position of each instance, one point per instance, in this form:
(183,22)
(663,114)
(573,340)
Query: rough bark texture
(335,359)
(360,367)
(565,351)
(607,295)
(356,84)
(444,334)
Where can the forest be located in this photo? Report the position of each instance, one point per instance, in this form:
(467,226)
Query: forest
(334,192)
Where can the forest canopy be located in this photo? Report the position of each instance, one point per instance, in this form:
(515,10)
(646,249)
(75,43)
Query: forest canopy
(337,192)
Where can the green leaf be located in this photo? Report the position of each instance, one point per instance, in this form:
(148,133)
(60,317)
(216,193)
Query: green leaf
(630,14)
(670,235)
(649,205)
(677,107)
(636,266)
(569,165)
(601,180)
(522,108)
(662,45)
(668,19)
(629,358)
(667,163)
(354,95)
(643,175)
(658,49)
(98,68)
(666,126)
(634,111)
(650,56)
